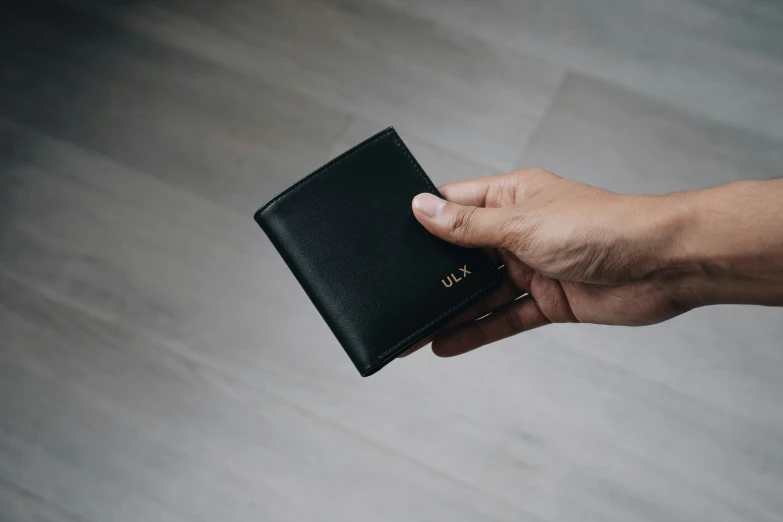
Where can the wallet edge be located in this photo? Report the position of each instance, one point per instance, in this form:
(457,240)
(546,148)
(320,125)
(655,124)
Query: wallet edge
(323,168)
(390,354)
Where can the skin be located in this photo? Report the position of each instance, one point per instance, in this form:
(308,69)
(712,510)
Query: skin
(576,253)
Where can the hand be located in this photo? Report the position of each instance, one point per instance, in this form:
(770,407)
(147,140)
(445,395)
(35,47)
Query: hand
(574,252)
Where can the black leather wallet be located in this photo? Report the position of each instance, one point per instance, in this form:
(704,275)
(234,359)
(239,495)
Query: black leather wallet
(379,279)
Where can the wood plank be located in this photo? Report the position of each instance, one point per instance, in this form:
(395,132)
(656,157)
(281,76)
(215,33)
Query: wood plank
(158,361)
(717,58)
(103,421)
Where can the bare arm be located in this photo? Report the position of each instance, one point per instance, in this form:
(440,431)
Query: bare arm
(728,247)
(583,254)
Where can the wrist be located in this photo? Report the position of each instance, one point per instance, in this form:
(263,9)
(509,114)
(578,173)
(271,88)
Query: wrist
(681,264)
(718,245)
(657,226)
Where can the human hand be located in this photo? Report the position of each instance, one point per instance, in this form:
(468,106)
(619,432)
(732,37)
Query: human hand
(572,253)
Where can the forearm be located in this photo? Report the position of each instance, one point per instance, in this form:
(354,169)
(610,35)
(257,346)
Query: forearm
(725,244)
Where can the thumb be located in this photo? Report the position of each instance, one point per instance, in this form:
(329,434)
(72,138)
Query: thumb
(460,224)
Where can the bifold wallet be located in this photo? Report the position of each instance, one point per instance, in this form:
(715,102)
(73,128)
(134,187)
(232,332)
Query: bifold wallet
(378,278)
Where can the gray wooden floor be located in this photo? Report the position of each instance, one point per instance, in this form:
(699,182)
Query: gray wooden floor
(159,363)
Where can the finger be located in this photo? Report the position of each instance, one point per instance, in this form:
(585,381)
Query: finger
(472,192)
(520,316)
(520,273)
(495,191)
(501,296)
(467,226)
(416,347)
(494,256)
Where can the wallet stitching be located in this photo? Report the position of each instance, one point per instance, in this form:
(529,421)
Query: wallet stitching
(325,168)
(416,166)
(347,154)
(423,175)
(491,267)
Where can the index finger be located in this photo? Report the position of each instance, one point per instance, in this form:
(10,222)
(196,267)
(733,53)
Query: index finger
(479,192)
(471,193)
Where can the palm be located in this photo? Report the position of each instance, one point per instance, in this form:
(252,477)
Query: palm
(632,303)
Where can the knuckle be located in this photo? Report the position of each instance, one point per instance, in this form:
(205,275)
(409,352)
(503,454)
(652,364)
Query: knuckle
(460,225)
(540,173)
(534,173)
(529,182)
(514,321)
(480,337)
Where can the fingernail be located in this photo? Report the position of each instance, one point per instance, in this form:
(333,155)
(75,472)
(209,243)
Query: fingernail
(429,204)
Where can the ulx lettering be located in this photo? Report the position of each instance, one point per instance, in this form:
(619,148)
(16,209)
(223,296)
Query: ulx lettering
(449,281)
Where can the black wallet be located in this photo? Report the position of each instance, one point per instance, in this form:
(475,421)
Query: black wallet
(379,279)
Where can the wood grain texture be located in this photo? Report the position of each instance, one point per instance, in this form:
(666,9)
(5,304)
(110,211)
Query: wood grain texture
(718,58)
(159,362)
